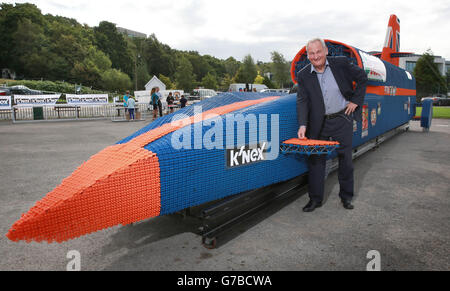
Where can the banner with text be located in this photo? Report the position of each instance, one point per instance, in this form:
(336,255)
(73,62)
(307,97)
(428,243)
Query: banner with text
(36,100)
(96,99)
(5,102)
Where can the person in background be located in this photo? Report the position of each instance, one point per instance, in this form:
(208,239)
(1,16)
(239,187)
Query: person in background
(170,100)
(156,102)
(125,100)
(183,101)
(131,106)
(159,101)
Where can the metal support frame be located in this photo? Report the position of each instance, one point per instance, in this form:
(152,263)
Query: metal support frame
(308,150)
(220,219)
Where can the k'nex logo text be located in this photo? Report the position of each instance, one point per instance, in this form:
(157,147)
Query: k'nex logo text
(246,155)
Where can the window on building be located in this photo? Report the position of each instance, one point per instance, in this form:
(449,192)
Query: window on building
(410,66)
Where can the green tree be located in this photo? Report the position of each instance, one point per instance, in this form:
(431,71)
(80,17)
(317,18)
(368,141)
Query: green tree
(225,83)
(11,16)
(140,71)
(448,79)
(115,81)
(247,72)
(185,78)
(166,80)
(159,57)
(231,66)
(89,71)
(30,41)
(217,65)
(264,68)
(209,81)
(142,75)
(113,44)
(280,69)
(269,83)
(67,47)
(59,48)
(199,65)
(428,79)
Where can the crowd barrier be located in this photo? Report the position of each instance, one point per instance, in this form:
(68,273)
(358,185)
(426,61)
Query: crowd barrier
(69,112)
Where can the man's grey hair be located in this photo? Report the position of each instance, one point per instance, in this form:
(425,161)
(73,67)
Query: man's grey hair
(316,39)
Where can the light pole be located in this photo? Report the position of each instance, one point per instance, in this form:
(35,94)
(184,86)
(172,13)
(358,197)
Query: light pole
(135,71)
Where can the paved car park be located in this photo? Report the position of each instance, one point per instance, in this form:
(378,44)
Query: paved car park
(402,211)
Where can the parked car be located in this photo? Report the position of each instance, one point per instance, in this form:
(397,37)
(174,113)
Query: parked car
(275,90)
(201,94)
(18,90)
(444,101)
(438,100)
(240,87)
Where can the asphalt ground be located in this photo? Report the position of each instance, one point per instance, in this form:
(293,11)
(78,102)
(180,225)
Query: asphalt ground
(402,211)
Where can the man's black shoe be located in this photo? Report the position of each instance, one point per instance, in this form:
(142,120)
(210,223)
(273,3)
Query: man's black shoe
(348,205)
(311,206)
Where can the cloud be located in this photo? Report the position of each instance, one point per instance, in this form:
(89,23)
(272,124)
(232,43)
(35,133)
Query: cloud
(238,27)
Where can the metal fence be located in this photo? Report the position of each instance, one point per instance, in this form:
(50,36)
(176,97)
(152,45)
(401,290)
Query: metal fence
(115,112)
(66,112)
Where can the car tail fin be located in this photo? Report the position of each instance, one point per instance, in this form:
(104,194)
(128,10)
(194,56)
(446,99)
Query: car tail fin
(391,50)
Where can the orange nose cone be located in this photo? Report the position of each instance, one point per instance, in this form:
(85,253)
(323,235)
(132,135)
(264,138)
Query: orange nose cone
(119,185)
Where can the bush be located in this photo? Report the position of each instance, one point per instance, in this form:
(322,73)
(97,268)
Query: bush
(49,86)
(115,80)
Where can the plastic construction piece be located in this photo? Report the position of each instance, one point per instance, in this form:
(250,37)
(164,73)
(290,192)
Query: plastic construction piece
(308,147)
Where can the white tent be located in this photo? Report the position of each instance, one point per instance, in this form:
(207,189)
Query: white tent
(155,82)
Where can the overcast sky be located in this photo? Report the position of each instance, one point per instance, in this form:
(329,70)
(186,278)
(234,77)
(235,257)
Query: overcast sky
(257,27)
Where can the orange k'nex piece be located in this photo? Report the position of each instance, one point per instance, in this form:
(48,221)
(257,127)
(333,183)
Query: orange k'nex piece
(310,142)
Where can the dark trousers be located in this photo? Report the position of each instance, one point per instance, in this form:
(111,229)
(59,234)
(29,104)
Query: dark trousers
(339,129)
(131,111)
(158,107)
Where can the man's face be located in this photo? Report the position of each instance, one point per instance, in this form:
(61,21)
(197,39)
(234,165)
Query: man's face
(317,54)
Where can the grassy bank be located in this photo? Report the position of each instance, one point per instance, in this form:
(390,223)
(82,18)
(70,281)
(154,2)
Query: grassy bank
(438,112)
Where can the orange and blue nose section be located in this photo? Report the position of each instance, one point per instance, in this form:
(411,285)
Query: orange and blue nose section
(117,186)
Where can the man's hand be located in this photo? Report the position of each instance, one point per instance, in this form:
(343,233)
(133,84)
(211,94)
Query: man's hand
(302,132)
(351,107)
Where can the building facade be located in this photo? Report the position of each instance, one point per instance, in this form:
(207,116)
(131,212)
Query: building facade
(155,82)
(409,63)
(131,33)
